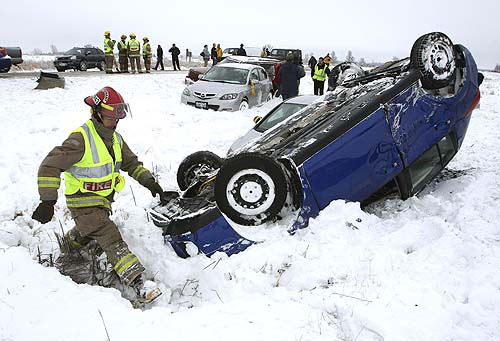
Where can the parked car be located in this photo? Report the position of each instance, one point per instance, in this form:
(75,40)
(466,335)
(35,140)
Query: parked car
(5,60)
(344,72)
(281,53)
(229,87)
(81,58)
(278,114)
(391,131)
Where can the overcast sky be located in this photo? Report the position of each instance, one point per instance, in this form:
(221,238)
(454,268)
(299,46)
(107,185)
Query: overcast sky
(374,30)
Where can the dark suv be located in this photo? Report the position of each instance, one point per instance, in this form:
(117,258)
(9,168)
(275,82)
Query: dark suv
(281,54)
(81,58)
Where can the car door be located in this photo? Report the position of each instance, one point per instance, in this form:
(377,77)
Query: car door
(255,85)
(418,120)
(265,84)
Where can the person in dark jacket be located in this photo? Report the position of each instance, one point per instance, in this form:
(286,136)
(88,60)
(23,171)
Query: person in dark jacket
(241,51)
(159,58)
(312,63)
(320,73)
(213,54)
(289,75)
(174,50)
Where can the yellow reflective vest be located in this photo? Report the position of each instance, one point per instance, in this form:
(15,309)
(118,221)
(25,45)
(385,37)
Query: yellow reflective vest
(134,48)
(96,172)
(108,50)
(319,74)
(146,50)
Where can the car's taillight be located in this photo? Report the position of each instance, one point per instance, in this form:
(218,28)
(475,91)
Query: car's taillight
(475,102)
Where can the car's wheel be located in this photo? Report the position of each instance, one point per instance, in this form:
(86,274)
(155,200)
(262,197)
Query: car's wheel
(83,65)
(5,70)
(244,105)
(102,65)
(60,69)
(196,165)
(250,188)
(433,54)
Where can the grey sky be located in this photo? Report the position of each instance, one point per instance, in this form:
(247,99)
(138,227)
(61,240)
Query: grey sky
(375,30)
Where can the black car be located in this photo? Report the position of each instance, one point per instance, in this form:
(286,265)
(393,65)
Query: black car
(81,58)
(281,54)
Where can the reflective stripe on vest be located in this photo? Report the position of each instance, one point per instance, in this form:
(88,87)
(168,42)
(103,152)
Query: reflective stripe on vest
(134,48)
(96,172)
(319,74)
(107,50)
(48,182)
(88,201)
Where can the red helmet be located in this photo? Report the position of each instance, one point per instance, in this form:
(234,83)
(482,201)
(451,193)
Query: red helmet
(109,103)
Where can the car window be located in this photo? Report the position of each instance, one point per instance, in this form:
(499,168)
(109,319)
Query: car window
(262,74)
(73,51)
(422,169)
(446,149)
(254,75)
(226,75)
(281,113)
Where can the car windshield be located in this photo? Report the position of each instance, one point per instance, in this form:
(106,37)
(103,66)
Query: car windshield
(73,51)
(226,75)
(282,112)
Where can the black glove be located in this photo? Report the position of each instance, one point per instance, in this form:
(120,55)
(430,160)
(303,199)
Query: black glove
(155,189)
(44,212)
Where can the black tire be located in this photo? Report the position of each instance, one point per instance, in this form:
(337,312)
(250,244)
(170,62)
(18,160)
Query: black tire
(101,65)
(433,54)
(60,69)
(5,70)
(196,165)
(250,188)
(83,65)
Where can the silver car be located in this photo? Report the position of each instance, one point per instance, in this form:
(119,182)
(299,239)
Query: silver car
(229,87)
(278,114)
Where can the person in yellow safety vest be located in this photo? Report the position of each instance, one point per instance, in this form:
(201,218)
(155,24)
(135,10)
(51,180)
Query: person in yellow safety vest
(146,54)
(109,57)
(123,54)
(321,71)
(91,159)
(134,53)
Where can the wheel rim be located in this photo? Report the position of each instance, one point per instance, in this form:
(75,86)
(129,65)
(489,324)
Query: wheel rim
(198,170)
(83,66)
(244,105)
(250,192)
(438,58)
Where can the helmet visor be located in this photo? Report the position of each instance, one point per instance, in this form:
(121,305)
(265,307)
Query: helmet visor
(115,111)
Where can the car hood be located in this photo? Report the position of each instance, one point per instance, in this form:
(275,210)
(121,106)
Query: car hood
(216,87)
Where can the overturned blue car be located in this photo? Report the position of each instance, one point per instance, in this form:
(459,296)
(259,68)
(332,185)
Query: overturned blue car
(390,130)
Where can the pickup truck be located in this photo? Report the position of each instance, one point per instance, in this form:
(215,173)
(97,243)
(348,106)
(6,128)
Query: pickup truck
(10,56)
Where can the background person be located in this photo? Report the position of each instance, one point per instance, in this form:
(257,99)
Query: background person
(134,53)
(206,55)
(146,54)
(290,75)
(321,72)
(175,52)
(122,54)
(109,57)
(159,58)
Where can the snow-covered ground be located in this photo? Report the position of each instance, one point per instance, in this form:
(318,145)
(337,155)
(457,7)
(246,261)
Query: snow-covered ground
(421,269)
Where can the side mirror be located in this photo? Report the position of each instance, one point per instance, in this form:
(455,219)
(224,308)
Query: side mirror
(257,119)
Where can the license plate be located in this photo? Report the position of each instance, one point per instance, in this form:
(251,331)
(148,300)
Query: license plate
(201,105)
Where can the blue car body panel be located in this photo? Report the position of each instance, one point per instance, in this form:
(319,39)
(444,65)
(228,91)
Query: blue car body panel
(376,141)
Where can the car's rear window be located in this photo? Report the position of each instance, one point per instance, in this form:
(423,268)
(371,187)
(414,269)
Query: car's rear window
(226,75)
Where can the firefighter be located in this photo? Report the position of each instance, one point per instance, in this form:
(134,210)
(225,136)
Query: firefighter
(122,54)
(109,57)
(146,54)
(134,53)
(91,159)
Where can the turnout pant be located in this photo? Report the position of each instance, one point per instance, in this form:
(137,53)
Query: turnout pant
(93,223)
(109,59)
(123,63)
(135,62)
(147,63)
(319,87)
